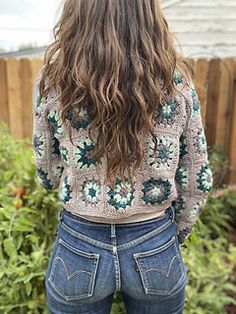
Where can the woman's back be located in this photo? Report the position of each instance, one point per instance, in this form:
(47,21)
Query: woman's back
(177,172)
(118,130)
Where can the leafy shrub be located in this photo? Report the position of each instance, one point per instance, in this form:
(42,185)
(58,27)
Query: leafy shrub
(211,259)
(27,229)
(219,164)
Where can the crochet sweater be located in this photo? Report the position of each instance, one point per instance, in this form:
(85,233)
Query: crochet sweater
(177,174)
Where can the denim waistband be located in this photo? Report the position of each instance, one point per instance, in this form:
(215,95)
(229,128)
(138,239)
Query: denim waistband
(83,229)
(168,211)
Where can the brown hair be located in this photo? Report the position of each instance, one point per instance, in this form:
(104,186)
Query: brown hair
(110,58)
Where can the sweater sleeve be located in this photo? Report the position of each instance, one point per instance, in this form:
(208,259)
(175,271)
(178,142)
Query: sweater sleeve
(47,156)
(193,176)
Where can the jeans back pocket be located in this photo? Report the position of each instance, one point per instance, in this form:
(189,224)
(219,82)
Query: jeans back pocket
(73,272)
(162,269)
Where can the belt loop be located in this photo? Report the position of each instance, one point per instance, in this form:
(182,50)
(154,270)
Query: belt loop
(60,216)
(173,212)
(113,230)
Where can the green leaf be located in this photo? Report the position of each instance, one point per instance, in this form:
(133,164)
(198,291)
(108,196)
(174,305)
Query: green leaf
(22,228)
(28,288)
(32,238)
(37,255)
(25,221)
(9,247)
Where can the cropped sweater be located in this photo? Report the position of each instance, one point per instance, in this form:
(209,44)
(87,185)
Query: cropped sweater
(177,174)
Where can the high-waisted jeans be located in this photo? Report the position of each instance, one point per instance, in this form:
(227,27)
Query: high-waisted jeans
(90,261)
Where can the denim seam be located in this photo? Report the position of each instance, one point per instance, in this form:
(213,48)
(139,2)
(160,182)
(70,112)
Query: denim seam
(127,245)
(86,238)
(78,252)
(145,237)
(156,250)
(116,258)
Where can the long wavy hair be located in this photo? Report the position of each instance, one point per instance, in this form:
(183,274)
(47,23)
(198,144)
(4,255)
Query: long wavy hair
(117,60)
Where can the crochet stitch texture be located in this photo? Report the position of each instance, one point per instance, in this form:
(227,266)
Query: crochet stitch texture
(177,174)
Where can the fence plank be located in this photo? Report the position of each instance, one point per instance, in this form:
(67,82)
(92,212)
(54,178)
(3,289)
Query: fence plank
(201,80)
(191,63)
(226,81)
(14,98)
(231,178)
(36,64)
(212,97)
(26,96)
(4,114)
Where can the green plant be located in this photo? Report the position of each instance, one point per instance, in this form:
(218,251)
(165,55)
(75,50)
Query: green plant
(27,229)
(211,258)
(219,164)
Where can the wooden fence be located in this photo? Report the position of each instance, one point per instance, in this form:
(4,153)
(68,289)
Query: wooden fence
(16,87)
(215,82)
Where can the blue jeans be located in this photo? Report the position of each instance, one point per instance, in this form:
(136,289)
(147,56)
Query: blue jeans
(90,261)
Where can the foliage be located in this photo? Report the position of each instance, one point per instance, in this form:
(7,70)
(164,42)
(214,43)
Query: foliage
(219,164)
(28,228)
(27,46)
(211,259)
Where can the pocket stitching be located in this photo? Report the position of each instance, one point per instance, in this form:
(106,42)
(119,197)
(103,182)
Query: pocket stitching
(160,270)
(67,272)
(143,272)
(92,273)
(77,251)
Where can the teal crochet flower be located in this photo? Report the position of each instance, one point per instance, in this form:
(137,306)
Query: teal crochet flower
(167,112)
(121,196)
(65,155)
(199,141)
(182,177)
(183,234)
(56,121)
(178,79)
(91,191)
(65,191)
(163,157)
(43,178)
(195,211)
(183,147)
(205,178)
(168,109)
(38,104)
(156,191)
(58,169)
(38,143)
(82,119)
(55,147)
(82,154)
(179,204)
(196,104)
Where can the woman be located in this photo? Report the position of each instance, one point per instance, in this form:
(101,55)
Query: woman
(118,131)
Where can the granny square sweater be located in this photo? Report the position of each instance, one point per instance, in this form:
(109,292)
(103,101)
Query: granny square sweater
(177,174)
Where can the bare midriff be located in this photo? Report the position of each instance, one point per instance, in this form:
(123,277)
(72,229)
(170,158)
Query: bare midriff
(133,218)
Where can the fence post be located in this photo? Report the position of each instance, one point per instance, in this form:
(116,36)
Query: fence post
(14,98)
(4,113)
(201,80)
(26,96)
(212,97)
(231,177)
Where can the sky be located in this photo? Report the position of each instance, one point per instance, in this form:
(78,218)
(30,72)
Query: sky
(27,21)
